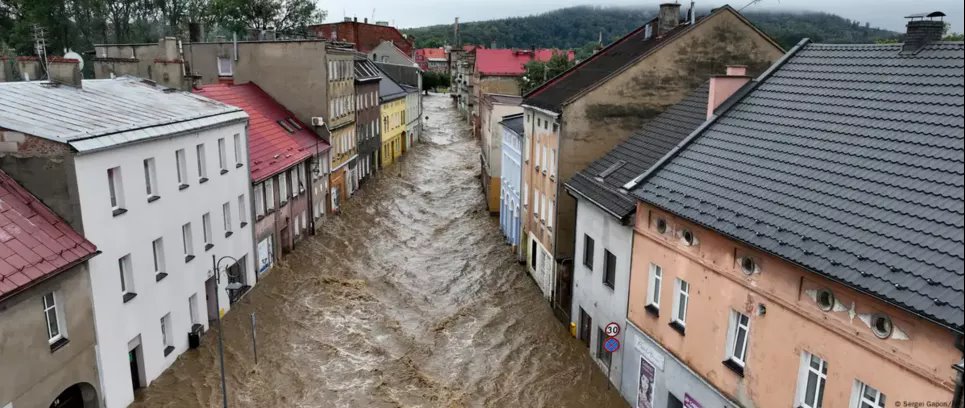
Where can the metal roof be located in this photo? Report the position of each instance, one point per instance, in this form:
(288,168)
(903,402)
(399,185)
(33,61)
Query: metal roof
(514,122)
(106,112)
(847,160)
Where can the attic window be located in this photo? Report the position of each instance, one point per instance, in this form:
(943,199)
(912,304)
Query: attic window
(825,300)
(661,225)
(294,123)
(688,238)
(748,265)
(613,167)
(288,128)
(881,325)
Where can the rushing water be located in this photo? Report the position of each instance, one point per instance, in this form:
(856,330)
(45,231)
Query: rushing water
(409,298)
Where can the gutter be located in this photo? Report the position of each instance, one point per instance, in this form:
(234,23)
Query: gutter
(573,192)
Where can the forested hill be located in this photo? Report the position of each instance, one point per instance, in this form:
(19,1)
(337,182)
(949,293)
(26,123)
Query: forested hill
(580,27)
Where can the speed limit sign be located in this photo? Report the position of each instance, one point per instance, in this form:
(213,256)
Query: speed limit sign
(612,329)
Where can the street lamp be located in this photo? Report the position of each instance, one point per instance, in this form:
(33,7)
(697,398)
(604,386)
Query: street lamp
(216,262)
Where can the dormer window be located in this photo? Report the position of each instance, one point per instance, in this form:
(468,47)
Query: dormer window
(882,326)
(825,299)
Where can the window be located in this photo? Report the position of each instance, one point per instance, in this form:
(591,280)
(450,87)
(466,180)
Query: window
(181,161)
(551,163)
(682,292)
(609,268)
(202,164)
(866,396)
(811,379)
(881,325)
(238,147)
(54,317)
(653,295)
(259,199)
(586,325)
(127,277)
(226,212)
(661,225)
(688,238)
(242,210)
(222,156)
(737,338)
(166,334)
(270,194)
(300,178)
(748,266)
(150,180)
(283,187)
(157,250)
(601,352)
(225,67)
(116,190)
(188,242)
(193,309)
(206,230)
(588,252)
(550,213)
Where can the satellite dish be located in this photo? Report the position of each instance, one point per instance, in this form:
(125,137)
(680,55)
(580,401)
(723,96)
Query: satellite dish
(76,56)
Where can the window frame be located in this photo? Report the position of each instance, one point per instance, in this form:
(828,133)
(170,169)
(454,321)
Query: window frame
(150,178)
(239,157)
(206,234)
(187,241)
(242,206)
(588,251)
(681,302)
(157,255)
(738,322)
(804,376)
(180,161)
(125,269)
(602,354)
(655,281)
(115,186)
(222,155)
(58,316)
(859,399)
(202,160)
(226,217)
(609,269)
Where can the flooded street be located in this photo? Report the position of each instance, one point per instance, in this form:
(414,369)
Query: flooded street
(409,298)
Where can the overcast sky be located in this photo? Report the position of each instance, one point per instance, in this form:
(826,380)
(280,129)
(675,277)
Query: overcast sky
(405,14)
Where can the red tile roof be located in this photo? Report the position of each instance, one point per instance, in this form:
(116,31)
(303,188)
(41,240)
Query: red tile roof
(510,62)
(35,243)
(271,148)
(423,55)
(365,36)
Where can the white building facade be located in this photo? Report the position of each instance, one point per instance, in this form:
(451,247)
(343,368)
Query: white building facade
(601,282)
(158,180)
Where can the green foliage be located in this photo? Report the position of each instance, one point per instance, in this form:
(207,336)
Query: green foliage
(538,72)
(432,80)
(79,24)
(580,28)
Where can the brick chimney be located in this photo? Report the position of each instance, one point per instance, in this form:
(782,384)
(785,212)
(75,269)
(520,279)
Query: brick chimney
(922,29)
(723,86)
(64,71)
(668,18)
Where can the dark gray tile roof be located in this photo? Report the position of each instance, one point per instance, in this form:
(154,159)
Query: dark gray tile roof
(644,147)
(514,122)
(389,90)
(847,160)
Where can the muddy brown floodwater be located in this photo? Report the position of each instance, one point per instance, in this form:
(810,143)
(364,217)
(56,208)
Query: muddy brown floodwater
(410,298)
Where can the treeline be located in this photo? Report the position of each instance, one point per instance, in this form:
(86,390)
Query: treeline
(78,24)
(581,27)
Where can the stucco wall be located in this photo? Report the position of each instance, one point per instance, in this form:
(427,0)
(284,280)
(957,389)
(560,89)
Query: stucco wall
(913,365)
(602,303)
(132,233)
(32,375)
(46,169)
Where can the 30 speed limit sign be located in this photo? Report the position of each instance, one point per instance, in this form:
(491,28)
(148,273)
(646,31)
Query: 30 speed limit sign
(612,329)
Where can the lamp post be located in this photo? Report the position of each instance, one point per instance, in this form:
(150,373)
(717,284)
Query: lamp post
(216,262)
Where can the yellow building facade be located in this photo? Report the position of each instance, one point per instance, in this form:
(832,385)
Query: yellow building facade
(393,130)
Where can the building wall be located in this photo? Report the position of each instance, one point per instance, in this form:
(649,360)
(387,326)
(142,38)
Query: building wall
(510,209)
(413,117)
(605,116)
(290,217)
(366,36)
(32,374)
(491,157)
(386,53)
(539,187)
(393,126)
(602,303)
(121,324)
(914,364)
(45,169)
(367,131)
(293,72)
(670,375)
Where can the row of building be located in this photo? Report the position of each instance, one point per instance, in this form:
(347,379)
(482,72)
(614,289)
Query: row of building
(766,227)
(136,208)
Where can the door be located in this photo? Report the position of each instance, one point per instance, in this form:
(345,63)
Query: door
(210,295)
(134,360)
(586,325)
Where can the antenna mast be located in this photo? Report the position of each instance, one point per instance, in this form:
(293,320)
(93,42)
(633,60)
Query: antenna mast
(40,46)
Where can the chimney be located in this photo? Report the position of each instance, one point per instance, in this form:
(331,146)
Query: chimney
(923,29)
(668,18)
(723,86)
(169,46)
(347,19)
(365,20)
(64,71)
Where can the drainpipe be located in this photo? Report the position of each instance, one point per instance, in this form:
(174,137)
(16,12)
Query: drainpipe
(957,402)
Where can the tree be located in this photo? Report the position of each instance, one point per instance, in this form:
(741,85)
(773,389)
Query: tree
(288,16)
(538,72)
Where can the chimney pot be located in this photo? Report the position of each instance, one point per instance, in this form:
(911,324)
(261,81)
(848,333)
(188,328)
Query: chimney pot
(723,86)
(668,18)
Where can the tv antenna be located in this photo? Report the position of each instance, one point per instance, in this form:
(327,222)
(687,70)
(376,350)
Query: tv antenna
(40,46)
